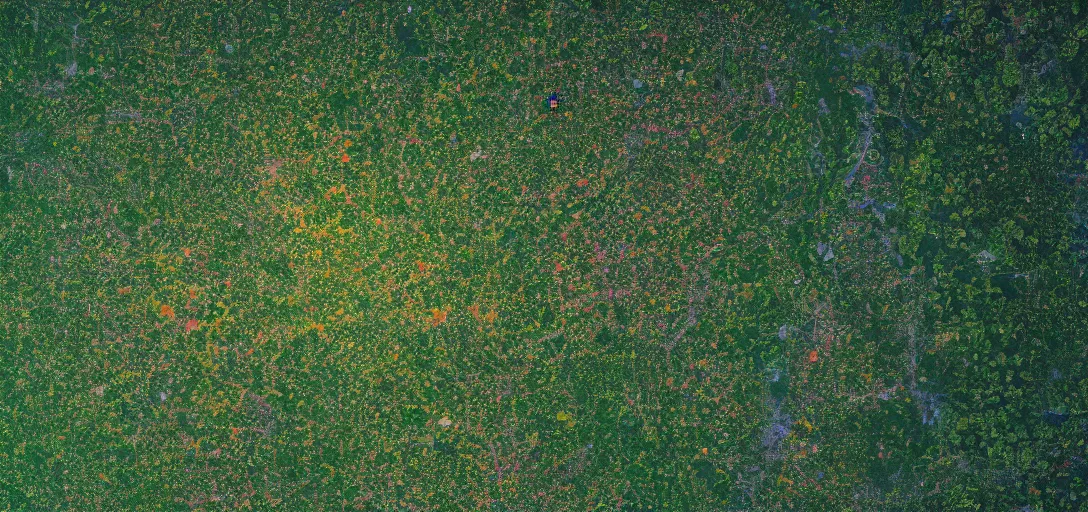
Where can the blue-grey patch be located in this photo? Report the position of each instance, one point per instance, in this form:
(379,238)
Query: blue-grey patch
(1055,418)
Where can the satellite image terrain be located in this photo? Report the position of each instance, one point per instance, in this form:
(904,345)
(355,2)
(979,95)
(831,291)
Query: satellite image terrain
(544,255)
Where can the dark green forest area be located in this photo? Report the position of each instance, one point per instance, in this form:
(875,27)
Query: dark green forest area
(316,255)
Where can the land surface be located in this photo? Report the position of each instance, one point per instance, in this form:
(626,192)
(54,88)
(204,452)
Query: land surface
(810,255)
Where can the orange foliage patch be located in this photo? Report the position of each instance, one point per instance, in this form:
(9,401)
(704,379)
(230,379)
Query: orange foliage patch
(437,316)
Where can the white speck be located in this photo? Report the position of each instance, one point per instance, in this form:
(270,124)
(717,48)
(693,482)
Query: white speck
(162,396)
(409,9)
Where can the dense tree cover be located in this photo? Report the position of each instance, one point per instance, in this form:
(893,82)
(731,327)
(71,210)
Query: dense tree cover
(811,255)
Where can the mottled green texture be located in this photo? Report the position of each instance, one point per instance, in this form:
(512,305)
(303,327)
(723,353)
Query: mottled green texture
(819,255)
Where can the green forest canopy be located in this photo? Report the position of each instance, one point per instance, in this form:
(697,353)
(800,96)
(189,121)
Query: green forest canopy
(810,255)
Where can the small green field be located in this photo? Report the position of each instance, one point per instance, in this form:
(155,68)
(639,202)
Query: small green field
(800,255)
